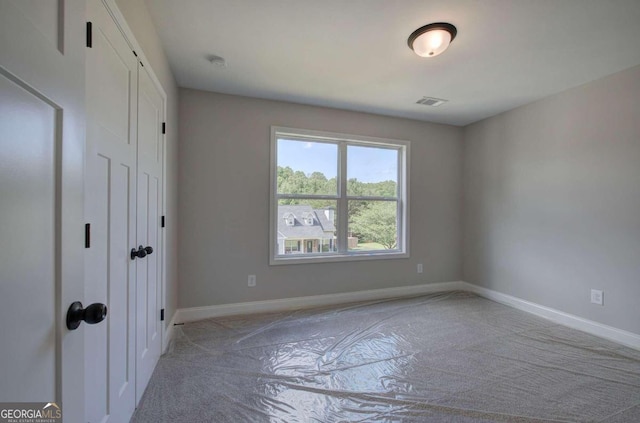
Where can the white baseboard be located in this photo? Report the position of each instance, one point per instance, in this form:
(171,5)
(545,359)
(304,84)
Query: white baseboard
(594,328)
(620,336)
(198,313)
(169,333)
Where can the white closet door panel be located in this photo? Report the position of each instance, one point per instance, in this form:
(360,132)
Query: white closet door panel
(45,17)
(110,208)
(27,193)
(120,283)
(149,133)
(149,275)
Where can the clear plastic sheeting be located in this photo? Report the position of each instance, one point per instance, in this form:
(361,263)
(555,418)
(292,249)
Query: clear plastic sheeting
(448,357)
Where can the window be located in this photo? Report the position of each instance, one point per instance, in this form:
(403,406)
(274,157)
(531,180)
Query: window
(291,247)
(290,219)
(308,218)
(349,193)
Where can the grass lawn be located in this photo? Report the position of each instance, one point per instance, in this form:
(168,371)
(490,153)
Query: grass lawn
(369,246)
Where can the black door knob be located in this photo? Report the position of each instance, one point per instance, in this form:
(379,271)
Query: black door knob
(93,314)
(141,252)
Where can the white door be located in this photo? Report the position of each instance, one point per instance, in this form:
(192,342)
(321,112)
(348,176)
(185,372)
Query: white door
(41,202)
(123,205)
(149,204)
(110,201)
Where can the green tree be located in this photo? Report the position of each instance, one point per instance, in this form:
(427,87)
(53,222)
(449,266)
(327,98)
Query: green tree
(318,184)
(297,182)
(376,222)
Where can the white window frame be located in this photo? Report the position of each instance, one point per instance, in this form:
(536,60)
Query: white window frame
(342,140)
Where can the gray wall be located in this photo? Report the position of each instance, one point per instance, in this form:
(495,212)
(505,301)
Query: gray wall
(552,201)
(139,20)
(224,198)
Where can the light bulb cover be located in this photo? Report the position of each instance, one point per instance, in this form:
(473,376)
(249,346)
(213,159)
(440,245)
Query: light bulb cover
(431,40)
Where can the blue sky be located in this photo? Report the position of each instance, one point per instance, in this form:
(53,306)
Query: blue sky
(364,163)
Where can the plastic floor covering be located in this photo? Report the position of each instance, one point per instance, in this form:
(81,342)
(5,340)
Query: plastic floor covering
(448,357)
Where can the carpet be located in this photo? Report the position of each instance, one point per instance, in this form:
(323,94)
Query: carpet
(446,357)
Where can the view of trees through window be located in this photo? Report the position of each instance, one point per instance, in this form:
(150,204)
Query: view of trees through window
(372,223)
(318,182)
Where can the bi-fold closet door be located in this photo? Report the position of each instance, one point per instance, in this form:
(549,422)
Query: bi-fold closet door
(123,205)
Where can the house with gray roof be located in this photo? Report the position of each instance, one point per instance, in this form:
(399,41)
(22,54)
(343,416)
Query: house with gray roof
(302,229)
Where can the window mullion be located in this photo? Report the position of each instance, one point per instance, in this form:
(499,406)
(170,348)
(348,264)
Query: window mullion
(343,212)
(371,198)
(306,197)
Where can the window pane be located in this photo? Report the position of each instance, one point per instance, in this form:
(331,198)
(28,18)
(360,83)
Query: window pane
(362,180)
(373,225)
(307,167)
(306,227)
(372,171)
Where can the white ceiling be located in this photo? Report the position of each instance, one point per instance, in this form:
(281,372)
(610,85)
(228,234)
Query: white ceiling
(353,54)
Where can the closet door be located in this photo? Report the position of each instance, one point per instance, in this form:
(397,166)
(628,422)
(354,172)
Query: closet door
(41,188)
(149,210)
(110,202)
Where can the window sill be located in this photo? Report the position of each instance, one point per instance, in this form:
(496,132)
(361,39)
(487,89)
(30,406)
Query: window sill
(334,258)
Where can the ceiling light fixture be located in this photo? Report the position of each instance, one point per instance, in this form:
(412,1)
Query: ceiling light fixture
(432,39)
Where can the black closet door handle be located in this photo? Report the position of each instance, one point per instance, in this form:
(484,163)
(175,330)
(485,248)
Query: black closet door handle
(91,315)
(141,252)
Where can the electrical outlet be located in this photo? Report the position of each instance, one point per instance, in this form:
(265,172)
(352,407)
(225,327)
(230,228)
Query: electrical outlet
(420,268)
(252,280)
(597,296)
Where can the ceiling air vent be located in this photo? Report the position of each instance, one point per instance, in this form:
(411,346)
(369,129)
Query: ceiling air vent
(431,101)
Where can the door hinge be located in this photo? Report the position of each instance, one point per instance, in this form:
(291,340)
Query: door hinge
(87,235)
(89,35)
(134,53)
(162,315)
(162,222)
(164,127)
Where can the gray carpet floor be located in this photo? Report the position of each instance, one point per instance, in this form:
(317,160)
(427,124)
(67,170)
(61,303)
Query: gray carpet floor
(448,357)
